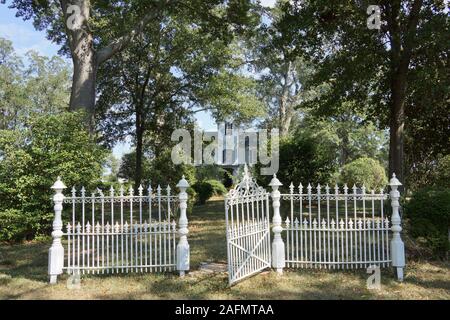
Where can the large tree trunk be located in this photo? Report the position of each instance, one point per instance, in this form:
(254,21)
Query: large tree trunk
(82,96)
(397,123)
(284,107)
(85,59)
(401,51)
(139,148)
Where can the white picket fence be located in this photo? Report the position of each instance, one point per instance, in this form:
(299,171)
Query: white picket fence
(119,232)
(329,228)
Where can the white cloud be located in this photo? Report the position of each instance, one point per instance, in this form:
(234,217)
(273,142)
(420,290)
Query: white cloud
(26,38)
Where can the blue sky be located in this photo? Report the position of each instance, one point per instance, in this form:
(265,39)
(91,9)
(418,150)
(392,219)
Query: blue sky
(25,37)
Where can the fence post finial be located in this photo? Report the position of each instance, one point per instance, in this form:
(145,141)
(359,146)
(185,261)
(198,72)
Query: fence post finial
(56,251)
(183,245)
(278,255)
(397,246)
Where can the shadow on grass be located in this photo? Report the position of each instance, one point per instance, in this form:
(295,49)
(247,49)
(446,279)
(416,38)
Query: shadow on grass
(27,260)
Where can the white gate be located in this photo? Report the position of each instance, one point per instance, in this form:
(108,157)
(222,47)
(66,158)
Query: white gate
(248,230)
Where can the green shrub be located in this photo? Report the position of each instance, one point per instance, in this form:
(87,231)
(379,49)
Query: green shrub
(428,212)
(365,171)
(303,157)
(442,173)
(218,187)
(14,225)
(31,158)
(204,191)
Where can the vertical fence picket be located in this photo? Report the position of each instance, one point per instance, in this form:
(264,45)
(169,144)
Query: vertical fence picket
(333,236)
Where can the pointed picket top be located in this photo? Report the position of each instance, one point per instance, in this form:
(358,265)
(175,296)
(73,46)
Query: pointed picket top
(116,227)
(140,190)
(360,223)
(378,223)
(309,188)
(319,187)
(136,227)
(327,189)
(74,192)
(88,227)
(78,227)
(345,188)
(300,188)
(369,223)
(145,226)
(296,222)
(333,223)
(97,227)
(111,191)
(336,189)
(287,221)
(131,191)
(100,192)
(341,224)
(350,224)
(68,227)
(381,190)
(125,226)
(149,190)
(324,223)
(291,188)
(174,224)
(363,189)
(83,192)
(158,189)
(314,223)
(305,222)
(121,190)
(107,227)
(354,188)
(93,195)
(168,190)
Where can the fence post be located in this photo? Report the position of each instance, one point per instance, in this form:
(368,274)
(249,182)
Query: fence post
(278,255)
(183,245)
(56,251)
(397,246)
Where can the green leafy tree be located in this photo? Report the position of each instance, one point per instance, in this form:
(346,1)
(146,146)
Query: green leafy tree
(42,87)
(279,70)
(11,85)
(306,156)
(173,71)
(384,73)
(31,158)
(92,32)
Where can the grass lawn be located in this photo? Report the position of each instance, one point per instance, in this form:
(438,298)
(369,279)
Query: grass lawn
(23,275)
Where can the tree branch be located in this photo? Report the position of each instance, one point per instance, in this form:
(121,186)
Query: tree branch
(122,42)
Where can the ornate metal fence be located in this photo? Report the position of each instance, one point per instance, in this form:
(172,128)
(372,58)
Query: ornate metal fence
(321,227)
(119,232)
(333,229)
